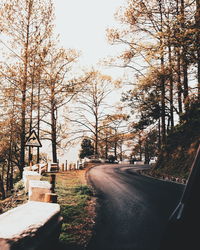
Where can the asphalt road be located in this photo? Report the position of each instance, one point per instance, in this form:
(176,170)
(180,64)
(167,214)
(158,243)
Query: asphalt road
(133,209)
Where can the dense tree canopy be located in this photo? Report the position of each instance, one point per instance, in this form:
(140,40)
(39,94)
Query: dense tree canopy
(87,149)
(161,41)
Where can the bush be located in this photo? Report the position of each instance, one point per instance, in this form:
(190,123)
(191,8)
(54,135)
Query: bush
(83,190)
(19,185)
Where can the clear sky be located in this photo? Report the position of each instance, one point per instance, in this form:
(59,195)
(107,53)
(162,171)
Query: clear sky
(82,25)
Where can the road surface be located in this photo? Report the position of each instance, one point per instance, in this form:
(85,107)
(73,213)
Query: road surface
(133,209)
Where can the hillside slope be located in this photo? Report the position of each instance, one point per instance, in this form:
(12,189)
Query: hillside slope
(177,157)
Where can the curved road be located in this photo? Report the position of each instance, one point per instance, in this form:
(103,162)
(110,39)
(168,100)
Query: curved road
(133,209)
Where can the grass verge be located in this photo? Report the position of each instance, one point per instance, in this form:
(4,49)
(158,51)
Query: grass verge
(77,209)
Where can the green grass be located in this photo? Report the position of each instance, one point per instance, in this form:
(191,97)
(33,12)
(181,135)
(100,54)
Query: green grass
(73,203)
(73,197)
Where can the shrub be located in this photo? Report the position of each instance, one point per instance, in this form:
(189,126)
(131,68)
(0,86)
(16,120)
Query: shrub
(19,185)
(83,190)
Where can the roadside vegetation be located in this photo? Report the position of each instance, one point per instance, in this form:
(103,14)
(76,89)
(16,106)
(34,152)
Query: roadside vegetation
(177,156)
(77,209)
(164,66)
(77,204)
(15,198)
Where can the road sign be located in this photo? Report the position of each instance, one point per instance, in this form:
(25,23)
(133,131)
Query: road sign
(33,140)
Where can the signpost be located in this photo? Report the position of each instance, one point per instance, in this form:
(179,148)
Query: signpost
(32,141)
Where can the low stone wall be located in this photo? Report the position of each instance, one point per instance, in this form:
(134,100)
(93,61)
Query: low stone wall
(32,226)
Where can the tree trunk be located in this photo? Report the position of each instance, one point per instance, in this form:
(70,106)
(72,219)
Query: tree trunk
(159,135)
(2,190)
(198,44)
(185,79)
(179,84)
(184,60)
(140,147)
(9,162)
(178,54)
(115,150)
(23,135)
(8,177)
(31,121)
(54,151)
(53,135)
(11,175)
(163,132)
(147,158)
(53,124)
(120,155)
(23,90)
(171,88)
(96,136)
(9,180)
(115,144)
(38,121)
(106,147)
(11,147)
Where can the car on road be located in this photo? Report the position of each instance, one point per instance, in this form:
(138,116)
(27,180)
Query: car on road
(182,232)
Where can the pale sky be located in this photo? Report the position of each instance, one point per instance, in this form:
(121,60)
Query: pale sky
(82,25)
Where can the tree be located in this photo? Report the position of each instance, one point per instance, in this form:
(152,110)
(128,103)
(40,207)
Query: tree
(59,90)
(87,149)
(143,18)
(10,133)
(91,108)
(112,135)
(37,68)
(27,25)
(197,24)
(161,47)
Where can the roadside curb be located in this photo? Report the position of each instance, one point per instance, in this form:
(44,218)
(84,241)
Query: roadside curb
(163,177)
(89,182)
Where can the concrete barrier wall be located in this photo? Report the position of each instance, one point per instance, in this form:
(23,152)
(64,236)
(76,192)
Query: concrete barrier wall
(28,176)
(37,190)
(35,225)
(32,226)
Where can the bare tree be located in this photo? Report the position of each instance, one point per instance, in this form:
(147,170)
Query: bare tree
(58,90)
(92,108)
